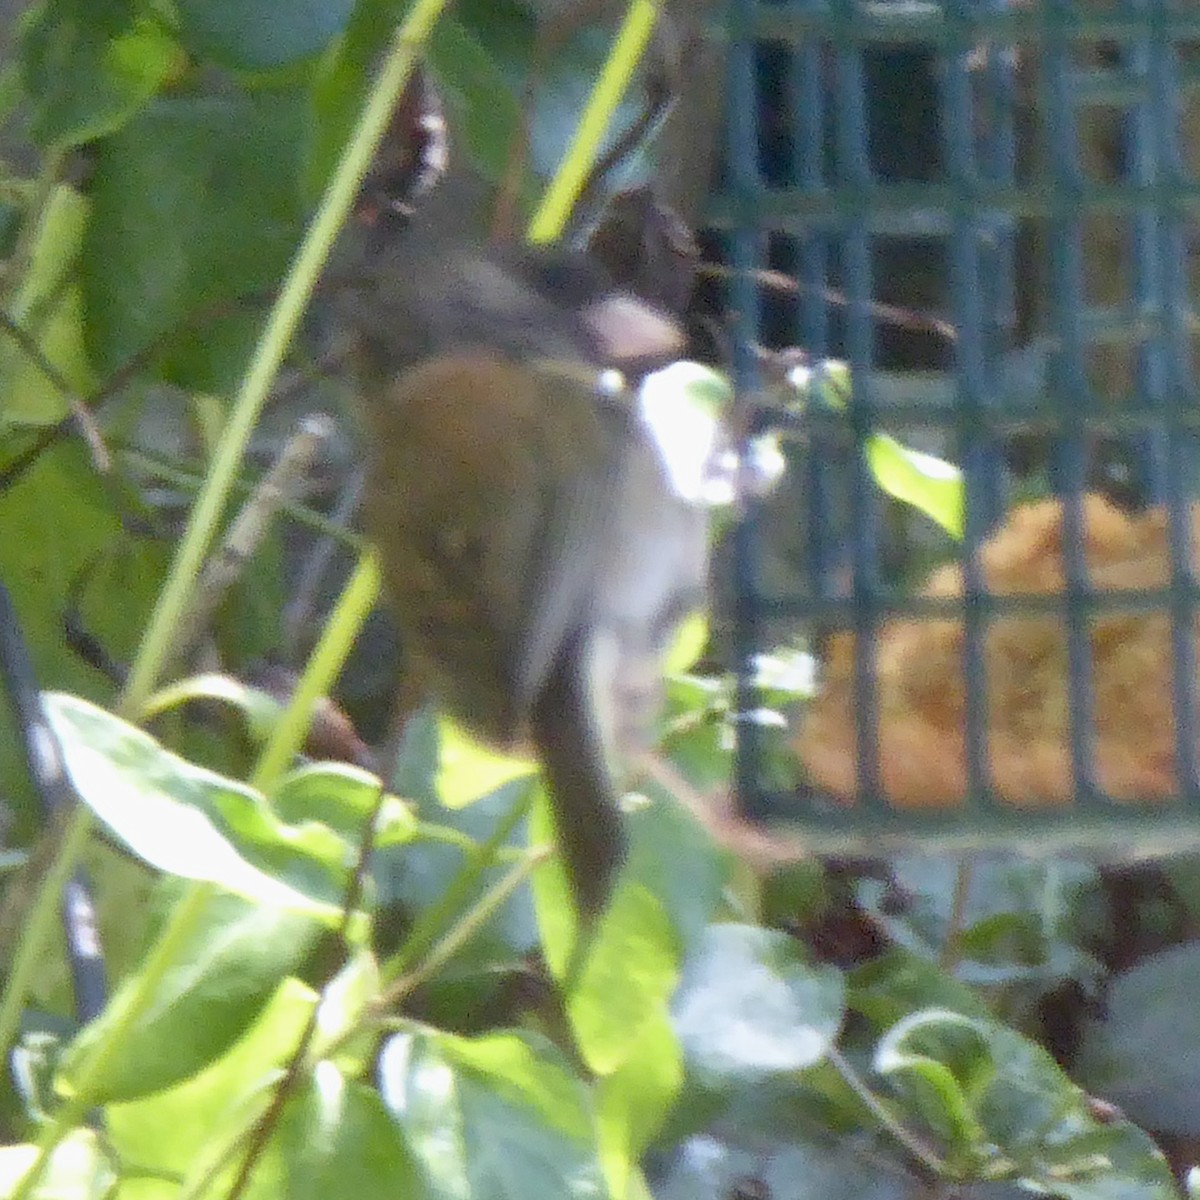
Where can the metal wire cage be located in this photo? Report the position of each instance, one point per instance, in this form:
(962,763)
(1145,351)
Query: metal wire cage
(986,207)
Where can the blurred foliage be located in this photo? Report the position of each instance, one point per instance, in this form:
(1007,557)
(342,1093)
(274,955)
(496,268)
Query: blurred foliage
(804,1030)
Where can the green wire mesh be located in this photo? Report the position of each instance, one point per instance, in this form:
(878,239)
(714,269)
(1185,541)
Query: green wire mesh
(987,210)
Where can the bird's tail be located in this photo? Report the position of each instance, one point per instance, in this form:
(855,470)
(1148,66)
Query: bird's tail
(583,797)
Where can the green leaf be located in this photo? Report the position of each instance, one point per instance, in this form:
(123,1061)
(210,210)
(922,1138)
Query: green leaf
(416,769)
(113,590)
(223,975)
(130,900)
(749,1007)
(344,1004)
(937,1060)
(89,67)
(696,735)
(553,904)
(688,644)
(933,486)
(176,1132)
(1007,1110)
(260,709)
(78,1169)
(677,860)
(337,1139)
(192,822)
(483,103)
(1018,922)
(889,986)
(469,770)
(416,875)
(492,1118)
(721,1165)
(47,307)
(927,483)
(795,894)
(1144,1052)
(672,861)
(260,33)
(12,89)
(196,210)
(631,971)
(342,797)
(67,520)
(633,1100)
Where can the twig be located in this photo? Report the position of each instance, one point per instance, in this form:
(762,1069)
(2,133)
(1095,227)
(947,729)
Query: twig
(951,947)
(461,933)
(80,416)
(260,1134)
(89,405)
(715,814)
(298,613)
(913,1144)
(280,486)
(891,314)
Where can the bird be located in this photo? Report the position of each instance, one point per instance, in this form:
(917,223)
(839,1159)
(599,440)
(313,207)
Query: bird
(535,552)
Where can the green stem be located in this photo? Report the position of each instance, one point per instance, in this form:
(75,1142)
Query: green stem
(465,929)
(952,946)
(438,955)
(216,1157)
(121,1016)
(323,665)
(17,267)
(327,1046)
(202,528)
(429,926)
(551,217)
(880,1111)
(324,1047)
(188,480)
(269,353)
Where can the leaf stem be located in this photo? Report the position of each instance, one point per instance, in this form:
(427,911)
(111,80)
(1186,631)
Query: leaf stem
(132,1004)
(355,603)
(462,932)
(428,928)
(551,217)
(268,355)
(917,1148)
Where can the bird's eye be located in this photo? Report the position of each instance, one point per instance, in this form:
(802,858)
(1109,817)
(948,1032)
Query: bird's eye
(610,382)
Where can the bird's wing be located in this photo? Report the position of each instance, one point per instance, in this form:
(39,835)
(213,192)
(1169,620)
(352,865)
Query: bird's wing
(579,447)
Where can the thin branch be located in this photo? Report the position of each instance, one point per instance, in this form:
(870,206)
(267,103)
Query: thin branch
(463,931)
(122,375)
(298,1063)
(890,314)
(913,1144)
(298,613)
(281,485)
(716,815)
(952,946)
(80,416)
